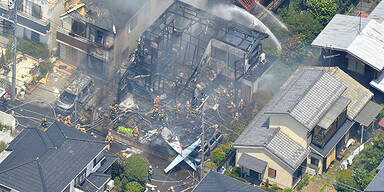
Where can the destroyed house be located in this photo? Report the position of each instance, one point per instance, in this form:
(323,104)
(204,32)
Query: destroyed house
(58,159)
(89,32)
(186,55)
(356,45)
(304,126)
(186,43)
(36,19)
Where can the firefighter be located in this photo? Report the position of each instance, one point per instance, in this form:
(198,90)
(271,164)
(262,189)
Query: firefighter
(135,133)
(156,101)
(155,113)
(187,110)
(241,104)
(177,110)
(150,173)
(67,120)
(109,139)
(44,123)
(59,118)
(113,111)
(162,118)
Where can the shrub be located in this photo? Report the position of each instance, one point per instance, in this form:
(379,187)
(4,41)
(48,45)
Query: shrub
(33,48)
(303,182)
(125,130)
(218,155)
(344,177)
(134,187)
(211,165)
(45,66)
(3,145)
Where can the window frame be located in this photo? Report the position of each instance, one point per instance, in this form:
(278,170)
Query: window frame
(36,10)
(270,170)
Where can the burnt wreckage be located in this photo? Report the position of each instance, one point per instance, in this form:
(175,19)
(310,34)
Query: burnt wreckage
(185,56)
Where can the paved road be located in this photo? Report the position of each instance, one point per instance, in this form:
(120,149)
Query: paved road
(29,113)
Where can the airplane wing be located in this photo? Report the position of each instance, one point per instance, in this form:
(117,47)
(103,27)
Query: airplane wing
(190,148)
(191,163)
(175,162)
(185,158)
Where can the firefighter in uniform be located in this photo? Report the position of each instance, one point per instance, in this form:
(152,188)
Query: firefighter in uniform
(135,133)
(44,123)
(67,120)
(187,110)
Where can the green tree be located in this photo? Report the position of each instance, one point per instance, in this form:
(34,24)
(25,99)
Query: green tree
(323,10)
(134,187)
(118,185)
(3,145)
(218,155)
(363,177)
(344,177)
(135,169)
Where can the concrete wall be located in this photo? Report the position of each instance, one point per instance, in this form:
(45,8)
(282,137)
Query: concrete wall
(291,127)
(283,178)
(8,120)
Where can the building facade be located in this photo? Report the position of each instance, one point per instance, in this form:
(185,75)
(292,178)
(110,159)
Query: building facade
(304,127)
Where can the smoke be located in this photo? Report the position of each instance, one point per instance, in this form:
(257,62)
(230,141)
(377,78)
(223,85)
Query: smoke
(235,13)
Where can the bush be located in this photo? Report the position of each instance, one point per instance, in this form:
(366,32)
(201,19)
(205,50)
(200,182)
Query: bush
(45,66)
(125,130)
(3,146)
(135,169)
(303,182)
(218,155)
(344,177)
(33,48)
(4,127)
(211,165)
(134,187)
(238,128)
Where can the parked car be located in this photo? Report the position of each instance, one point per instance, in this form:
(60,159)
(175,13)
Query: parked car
(82,88)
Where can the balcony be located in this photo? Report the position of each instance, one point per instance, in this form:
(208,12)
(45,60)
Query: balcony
(41,26)
(81,43)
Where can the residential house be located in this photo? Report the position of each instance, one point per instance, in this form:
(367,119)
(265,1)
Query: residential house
(377,183)
(216,182)
(58,159)
(36,20)
(306,124)
(356,45)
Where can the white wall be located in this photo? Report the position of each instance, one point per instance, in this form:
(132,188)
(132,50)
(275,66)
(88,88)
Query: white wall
(290,127)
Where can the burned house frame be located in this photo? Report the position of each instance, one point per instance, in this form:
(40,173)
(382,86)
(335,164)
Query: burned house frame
(180,38)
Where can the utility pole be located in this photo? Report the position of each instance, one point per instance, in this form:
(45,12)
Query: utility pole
(13,12)
(76,104)
(202,138)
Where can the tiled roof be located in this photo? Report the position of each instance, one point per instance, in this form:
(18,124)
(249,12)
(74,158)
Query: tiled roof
(287,149)
(47,161)
(216,182)
(94,182)
(253,163)
(318,100)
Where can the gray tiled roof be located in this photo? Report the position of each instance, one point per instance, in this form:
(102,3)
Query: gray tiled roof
(216,182)
(47,161)
(378,13)
(318,100)
(287,149)
(309,94)
(253,163)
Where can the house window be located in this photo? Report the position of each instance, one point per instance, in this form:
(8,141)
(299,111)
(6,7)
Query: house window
(99,37)
(314,161)
(35,37)
(78,28)
(36,10)
(98,159)
(271,173)
(79,179)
